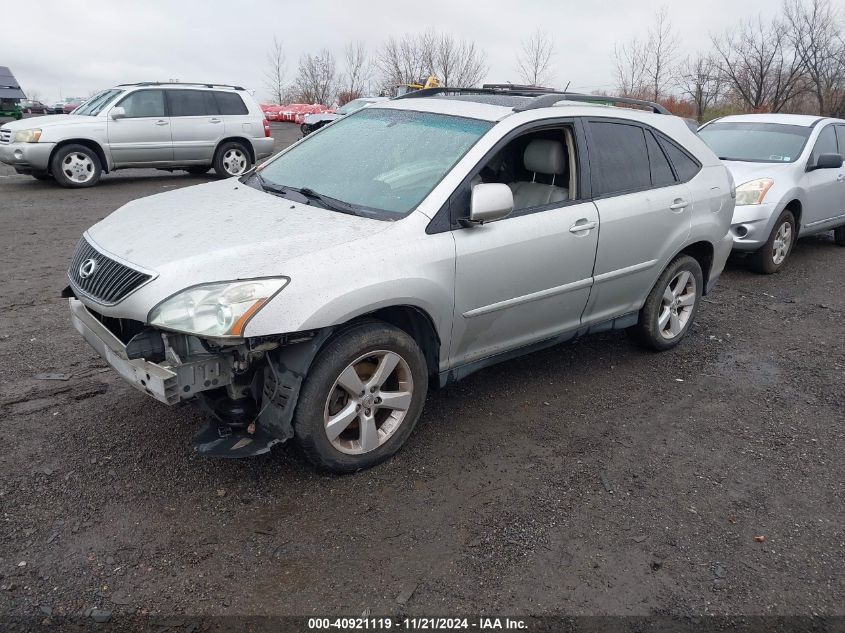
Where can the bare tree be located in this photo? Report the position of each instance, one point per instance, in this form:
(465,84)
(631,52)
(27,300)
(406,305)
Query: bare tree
(316,78)
(815,31)
(631,60)
(759,65)
(661,50)
(406,60)
(274,75)
(357,71)
(534,59)
(457,63)
(699,79)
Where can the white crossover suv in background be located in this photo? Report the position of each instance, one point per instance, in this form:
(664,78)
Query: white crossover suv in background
(790,180)
(166,126)
(404,246)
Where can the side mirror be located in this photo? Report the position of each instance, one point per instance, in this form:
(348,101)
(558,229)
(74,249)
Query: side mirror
(117,112)
(490,202)
(828,161)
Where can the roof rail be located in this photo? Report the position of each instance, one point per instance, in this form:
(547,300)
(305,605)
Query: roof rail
(549,99)
(181,83)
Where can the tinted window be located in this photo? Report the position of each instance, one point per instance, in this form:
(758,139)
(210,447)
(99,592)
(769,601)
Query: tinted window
(756,142)
(840,133)
(144,103)
(619,158)
(661,170)
(230,103)
(191,103)
(825,144)
(685,167)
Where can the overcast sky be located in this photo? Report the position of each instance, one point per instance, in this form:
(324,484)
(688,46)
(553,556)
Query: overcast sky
(73,47)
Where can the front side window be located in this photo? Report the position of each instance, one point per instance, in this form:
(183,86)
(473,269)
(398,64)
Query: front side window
(840,135)
(382,161)
(144,103)
(95,104)
(825,144)
(191,103)
(618,158)
(756,142)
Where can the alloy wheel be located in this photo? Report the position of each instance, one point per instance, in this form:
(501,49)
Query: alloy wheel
(78,167)
(368,402)
(677,305)
(782,243)
(234,162)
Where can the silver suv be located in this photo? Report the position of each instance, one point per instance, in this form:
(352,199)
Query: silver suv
(399,248)
(791,181)
(167,126)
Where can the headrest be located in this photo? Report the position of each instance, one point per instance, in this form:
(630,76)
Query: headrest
(544,156)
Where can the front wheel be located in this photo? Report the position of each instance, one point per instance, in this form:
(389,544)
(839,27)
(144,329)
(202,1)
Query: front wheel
(772,256)
(76,166)
(671,306)
(361,399)
(231,159)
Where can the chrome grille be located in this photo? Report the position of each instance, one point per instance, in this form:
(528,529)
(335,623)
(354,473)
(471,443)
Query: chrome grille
(5,136)
(107,282)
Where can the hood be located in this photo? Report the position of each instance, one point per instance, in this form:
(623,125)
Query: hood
(319,118)
(743,172)
(49,120)
(223,230)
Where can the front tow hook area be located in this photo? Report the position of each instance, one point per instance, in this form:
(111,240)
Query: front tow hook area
(231,433)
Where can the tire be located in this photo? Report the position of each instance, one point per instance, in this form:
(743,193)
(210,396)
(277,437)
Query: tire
(42,176)
(657,329)
(305,129)
(839,236)
(360,349)
(774,253)
(231,159)
(76,166)
(198,170)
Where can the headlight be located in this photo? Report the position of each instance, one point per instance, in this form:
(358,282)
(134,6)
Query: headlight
(26,136)
(216,310)
(753,192)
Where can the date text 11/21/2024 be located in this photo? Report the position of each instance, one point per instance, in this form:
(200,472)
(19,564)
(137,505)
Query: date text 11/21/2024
(417,624)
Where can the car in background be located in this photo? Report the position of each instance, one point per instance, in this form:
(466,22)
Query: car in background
(313,122)
(791,181)
(29,106)
(71,105)
(57,107)
(403,247)
(165,126)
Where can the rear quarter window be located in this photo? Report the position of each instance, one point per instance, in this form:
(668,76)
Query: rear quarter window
(230,103)
(686,167)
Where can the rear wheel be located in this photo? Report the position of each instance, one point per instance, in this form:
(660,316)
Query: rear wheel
(839,235)
(76,166)
(774,253)
(231,159)
(671,306)
(361,399)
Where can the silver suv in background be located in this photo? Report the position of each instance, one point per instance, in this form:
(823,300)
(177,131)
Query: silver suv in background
(791,181)
(166,126)
(404,246)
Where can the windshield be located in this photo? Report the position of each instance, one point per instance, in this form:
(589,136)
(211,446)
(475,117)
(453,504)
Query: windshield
(95,104)
(379,160)
(756,142)
(352,106)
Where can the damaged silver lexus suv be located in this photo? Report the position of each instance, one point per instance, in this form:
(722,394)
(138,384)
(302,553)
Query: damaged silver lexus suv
(318,297)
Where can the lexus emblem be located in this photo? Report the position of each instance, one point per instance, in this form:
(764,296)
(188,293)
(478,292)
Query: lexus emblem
(87,268)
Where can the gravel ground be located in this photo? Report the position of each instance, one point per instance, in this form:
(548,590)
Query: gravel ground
(592,478)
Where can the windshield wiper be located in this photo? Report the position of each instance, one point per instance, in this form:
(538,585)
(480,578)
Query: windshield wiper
(305,194)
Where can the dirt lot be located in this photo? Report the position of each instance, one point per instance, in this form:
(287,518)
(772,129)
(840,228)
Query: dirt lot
(593,478)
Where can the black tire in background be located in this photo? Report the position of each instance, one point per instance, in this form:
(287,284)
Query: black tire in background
(76,166)
(649,332)
(763,260)
(312,408)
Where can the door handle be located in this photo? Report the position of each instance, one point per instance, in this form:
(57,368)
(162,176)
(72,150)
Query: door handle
(582,226)
(215,120)
(679,205)
(841,178)
(161,122)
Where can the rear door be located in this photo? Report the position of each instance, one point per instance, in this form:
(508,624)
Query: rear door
(825,190)
(142,137)
(196,124)
(645,212)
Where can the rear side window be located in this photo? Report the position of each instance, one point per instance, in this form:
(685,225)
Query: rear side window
(144,103)
(230,103)
(191,103)
(618,158)
(825,144)
(685,167)
(661,170)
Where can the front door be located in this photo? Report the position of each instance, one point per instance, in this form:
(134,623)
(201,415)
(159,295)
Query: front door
(142,136)
(825,189)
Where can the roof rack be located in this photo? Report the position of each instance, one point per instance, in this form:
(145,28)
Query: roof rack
(181,83)
(542,97)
